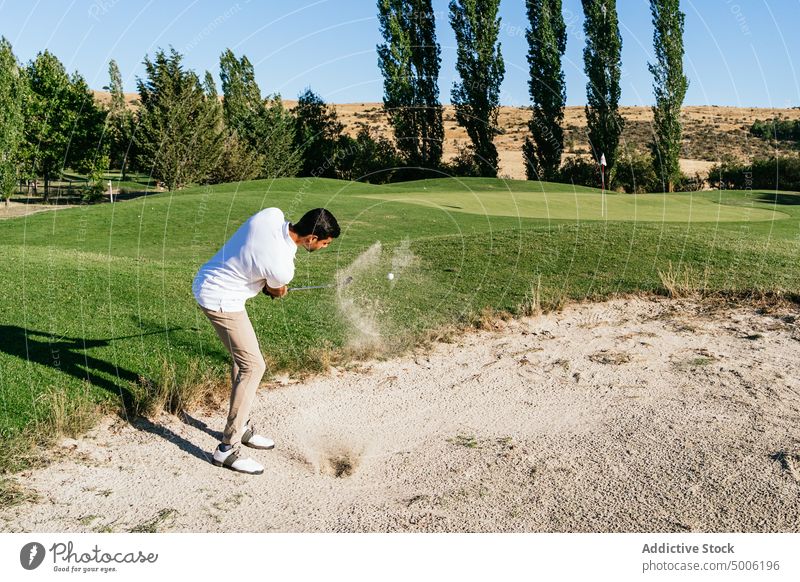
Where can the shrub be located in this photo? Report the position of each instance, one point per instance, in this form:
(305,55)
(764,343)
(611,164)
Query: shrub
(236,162)
(463,164)
(780,129)
(773,173)
(635,173)
(94,189)
(366,158)
(580,172)
(688,183)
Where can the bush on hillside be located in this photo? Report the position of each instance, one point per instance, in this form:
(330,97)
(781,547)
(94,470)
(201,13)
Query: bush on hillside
(773,173)
(580,172)
(780,129)
(636,174)
(366,158)
(463,165)
(688,183)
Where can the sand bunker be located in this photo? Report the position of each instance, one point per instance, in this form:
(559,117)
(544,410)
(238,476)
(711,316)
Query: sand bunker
(631,415)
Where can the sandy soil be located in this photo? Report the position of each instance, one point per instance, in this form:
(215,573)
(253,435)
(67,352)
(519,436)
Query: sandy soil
(17,209)
(631,415)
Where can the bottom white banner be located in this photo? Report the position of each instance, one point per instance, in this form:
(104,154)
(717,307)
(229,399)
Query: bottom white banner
(372,557)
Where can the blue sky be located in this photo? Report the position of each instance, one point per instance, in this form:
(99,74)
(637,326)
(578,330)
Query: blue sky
(738,52)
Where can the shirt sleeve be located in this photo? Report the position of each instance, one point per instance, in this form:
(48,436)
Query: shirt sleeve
(279,277)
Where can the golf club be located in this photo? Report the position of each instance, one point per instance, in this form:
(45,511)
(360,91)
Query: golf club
(344,282)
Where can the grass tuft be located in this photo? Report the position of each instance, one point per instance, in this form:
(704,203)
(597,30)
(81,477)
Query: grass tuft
(68,415)
(154,524)
(176,390)
(467,441)
(684,281)
(532,304)
(12,493)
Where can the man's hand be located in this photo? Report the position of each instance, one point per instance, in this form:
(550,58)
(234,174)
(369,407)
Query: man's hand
(275,293)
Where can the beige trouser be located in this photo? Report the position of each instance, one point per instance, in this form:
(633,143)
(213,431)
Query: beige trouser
(239,337)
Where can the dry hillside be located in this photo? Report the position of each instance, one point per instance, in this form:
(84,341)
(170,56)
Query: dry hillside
(710,132)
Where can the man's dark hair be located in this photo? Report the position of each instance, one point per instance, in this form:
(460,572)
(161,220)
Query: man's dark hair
(319,222)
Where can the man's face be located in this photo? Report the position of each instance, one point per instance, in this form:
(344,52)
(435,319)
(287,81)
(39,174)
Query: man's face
(313,243)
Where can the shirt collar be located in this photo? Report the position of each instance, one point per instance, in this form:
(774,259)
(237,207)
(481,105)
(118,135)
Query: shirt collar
(287,237)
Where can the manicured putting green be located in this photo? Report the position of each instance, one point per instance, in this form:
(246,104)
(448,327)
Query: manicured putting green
(563,202)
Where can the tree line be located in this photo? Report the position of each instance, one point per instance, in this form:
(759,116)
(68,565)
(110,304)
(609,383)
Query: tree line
(409,59)
(184,131)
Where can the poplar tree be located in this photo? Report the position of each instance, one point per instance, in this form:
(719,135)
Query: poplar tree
(120,125)
(603,65)
(480,65)
(547,41)
(264,125)
(669,87)
(242,104)
(409,59)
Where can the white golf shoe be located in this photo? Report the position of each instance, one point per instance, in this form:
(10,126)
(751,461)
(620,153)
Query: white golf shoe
(230,459)
(251,439)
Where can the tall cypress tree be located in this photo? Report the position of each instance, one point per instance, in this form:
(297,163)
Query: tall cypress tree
(115,87)
(409,60)
(242,104)
(547,41)
(603,64)
(480,65)
(669,87)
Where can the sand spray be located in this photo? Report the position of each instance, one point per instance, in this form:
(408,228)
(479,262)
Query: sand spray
(362,303)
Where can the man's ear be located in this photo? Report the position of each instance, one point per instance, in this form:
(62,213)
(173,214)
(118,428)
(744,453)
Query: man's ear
(312,238)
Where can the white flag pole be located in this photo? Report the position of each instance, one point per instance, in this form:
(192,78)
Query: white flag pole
(603,185)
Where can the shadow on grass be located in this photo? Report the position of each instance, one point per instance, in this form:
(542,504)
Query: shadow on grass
(783,199)
(68,355)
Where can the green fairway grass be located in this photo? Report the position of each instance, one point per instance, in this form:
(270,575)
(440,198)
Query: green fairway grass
(565,202)
(98,307)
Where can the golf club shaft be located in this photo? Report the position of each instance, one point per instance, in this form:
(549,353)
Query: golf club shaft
(347,281)
(312,287)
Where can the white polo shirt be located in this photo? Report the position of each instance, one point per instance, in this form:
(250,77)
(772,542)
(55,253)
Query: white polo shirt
(260,251)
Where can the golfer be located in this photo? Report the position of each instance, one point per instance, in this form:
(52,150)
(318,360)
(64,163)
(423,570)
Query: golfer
(258,257)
